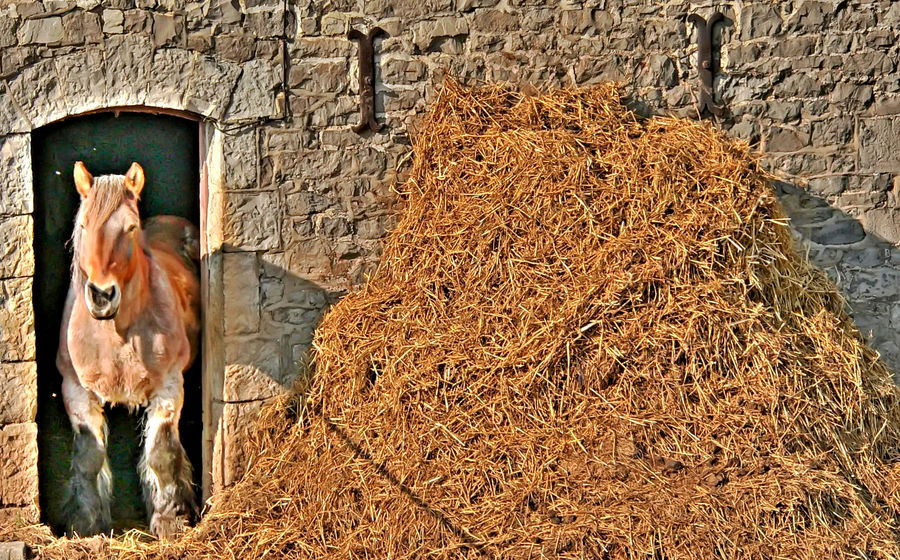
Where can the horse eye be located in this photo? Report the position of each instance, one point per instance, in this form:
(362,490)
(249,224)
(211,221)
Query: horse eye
(131,228)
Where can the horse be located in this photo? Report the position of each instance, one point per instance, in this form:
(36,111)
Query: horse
(130,329)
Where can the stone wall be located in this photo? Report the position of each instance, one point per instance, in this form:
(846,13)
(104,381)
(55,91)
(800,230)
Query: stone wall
(298,202)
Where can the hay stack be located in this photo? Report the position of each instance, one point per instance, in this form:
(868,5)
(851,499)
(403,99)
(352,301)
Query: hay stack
(589,337)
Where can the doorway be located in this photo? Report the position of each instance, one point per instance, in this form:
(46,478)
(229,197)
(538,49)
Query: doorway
(168,148)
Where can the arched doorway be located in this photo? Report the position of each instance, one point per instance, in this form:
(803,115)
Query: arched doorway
(168,148)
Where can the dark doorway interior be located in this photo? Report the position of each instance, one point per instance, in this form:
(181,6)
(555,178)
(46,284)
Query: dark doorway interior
(168,149)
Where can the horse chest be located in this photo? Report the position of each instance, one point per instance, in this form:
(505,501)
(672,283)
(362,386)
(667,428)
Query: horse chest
(121,369)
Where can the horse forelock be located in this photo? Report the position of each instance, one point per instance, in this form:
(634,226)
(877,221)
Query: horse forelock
(107,194)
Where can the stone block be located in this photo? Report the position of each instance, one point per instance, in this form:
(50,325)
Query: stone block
(91,27)
(129,59)
(779,139)
(37,90)
(241,281)
(882,222)
(236,47)
(330,77)
(254,94)
(252,221)
(85,83)
(833,131)
(877,144)
(402,71)
(170,77)
(874,283)
(18,399)
(7,32)
(406,9)
(852,96)
(45,31)
(16,195)
(841,231)
(241,160)
(237,422)
(800,85)
(659,70)
(113,21)
(324,47)
(166,28)
(15,550)
(139,22)
(16,253)
(759,21)
(253,369)
(18,464)
(16,320)
(499,21)
(810,17)
(212,83)
(425,34)
(335,23)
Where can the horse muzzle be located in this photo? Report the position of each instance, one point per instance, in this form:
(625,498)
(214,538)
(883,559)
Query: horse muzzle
(102,303)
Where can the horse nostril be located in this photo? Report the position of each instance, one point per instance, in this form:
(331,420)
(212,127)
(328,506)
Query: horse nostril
(102,297)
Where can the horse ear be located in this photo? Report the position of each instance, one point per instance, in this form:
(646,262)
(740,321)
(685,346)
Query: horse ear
(83,179)
(135,179)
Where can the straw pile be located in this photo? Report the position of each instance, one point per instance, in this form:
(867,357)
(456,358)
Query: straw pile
(589,337)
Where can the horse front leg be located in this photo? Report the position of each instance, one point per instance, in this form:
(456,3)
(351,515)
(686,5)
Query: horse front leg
(165,469)
(90,481)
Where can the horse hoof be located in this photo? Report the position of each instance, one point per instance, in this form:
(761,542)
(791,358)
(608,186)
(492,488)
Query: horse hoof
(168,526)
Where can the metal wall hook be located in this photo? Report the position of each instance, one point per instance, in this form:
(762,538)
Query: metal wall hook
(366,78)
(705,64)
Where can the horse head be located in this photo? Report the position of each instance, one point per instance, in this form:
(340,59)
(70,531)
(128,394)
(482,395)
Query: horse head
(108,238)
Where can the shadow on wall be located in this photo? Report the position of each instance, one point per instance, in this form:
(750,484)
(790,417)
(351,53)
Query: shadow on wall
(270,316)
(864,265)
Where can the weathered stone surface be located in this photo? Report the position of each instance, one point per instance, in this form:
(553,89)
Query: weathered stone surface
(18,397)
(85,84)
(426,34)
(252,221)
(16,195)
(877,144)
(254,369)
(837,232)
(875,283)
(16,252)
(113,21)
(211,86)
(241,278)
(170,77)
(13,551)
(16,320)
(47,31)
(237,420)
(128,62)
(254,95)
(320,77)
(759,20)
(38,92)
(242,160)
(236,47)
(165,29)
(18,464)
(779,139)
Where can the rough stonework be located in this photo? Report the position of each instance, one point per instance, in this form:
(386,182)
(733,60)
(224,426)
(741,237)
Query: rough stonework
(298,202)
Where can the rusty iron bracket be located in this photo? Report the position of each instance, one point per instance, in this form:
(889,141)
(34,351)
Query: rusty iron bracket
(705,64)
(366,78)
